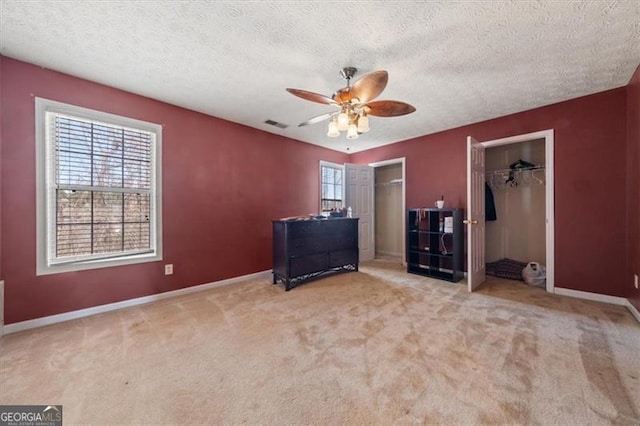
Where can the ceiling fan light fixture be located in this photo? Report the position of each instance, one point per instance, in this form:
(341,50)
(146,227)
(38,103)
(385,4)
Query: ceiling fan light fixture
(333,129)
(363,123)
(343,120)
(355,102)
(352,132)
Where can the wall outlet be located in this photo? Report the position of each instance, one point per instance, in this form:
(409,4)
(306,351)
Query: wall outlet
(168,269)
(635,280)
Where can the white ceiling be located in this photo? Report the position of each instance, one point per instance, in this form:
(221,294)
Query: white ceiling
(456,62)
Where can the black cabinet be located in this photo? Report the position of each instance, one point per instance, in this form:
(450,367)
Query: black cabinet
(305,249)
(435,243)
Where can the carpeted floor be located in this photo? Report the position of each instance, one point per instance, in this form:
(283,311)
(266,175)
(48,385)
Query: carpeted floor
(378,346)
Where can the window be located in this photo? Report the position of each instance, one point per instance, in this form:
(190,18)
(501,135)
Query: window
(331,187)
(98,201)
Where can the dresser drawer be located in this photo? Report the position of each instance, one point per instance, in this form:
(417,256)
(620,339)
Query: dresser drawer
(310,245)
(308,264)
(342,257)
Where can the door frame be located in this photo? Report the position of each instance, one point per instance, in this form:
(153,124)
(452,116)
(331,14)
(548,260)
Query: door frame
(548,136)
(402,161)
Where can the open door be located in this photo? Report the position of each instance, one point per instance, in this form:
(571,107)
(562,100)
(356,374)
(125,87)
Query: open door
(358,195)
(475,221)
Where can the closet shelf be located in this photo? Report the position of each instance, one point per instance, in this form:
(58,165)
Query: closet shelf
(507,171)
(509,178)
(390,183)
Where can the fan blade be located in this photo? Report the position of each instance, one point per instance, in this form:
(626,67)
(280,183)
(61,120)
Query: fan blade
(388,108)
(311,96)
(317,119)
(369,86)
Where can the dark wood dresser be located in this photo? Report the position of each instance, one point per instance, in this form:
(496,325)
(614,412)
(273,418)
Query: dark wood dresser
(305,249)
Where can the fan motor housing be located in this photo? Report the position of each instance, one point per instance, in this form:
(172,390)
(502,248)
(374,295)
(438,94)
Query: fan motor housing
(348,72)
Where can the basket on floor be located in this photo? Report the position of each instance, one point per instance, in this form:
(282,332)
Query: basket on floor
(506,268)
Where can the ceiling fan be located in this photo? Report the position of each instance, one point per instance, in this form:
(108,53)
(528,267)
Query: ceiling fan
(355,103)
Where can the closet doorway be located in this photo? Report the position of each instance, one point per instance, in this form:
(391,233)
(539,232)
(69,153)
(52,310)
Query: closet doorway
(518,172)
(515,178)
(389,201)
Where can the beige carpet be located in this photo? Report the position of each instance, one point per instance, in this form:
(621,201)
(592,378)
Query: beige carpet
(377,346)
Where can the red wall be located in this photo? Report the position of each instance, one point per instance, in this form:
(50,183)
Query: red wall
(1,276)
(633,184)
(223,183)
(590,180)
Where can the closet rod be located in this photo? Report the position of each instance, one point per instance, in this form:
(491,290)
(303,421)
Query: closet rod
(527,169)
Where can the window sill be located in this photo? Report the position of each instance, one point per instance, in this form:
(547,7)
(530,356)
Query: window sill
(96,264)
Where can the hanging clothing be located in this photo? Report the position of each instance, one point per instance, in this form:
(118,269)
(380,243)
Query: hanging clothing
(489,204)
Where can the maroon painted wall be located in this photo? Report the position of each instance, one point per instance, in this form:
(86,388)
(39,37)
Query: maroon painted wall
(633,185)
(1,276)
(590,147)
(223,183)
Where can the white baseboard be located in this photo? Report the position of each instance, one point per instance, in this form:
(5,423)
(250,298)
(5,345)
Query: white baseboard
(389,253)
(599,298)
(67,316)
(596,297)
(633,311)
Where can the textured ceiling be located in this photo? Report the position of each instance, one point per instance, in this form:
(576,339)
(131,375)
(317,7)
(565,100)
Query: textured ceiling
(456,62)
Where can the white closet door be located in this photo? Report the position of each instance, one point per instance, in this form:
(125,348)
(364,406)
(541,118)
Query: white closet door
(359,187)
(475,221)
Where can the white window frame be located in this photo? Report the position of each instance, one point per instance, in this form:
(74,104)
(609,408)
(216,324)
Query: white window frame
(44,212)
(333,166)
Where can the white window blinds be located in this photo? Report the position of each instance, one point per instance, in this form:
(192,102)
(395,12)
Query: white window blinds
(99,189)
(331,188)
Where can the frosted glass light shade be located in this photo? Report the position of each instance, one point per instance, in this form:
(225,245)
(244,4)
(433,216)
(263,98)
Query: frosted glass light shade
(352,132)
(343,121)
(363,124)
(333,130)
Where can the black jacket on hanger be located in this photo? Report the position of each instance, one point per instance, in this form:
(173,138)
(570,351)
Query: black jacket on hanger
(489,204)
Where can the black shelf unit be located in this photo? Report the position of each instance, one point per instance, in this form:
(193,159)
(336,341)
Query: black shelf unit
(435,243)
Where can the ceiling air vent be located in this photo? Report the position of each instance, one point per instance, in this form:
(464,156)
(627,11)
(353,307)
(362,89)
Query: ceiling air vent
(275,123)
